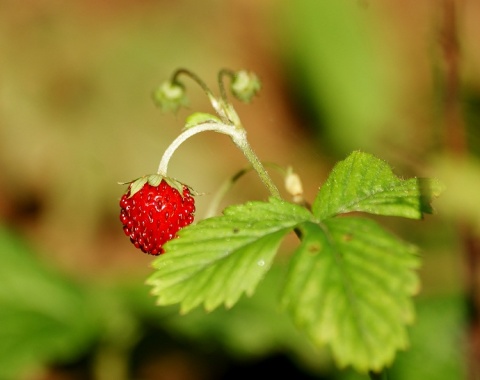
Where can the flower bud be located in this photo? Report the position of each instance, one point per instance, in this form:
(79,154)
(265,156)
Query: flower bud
(170,96)
(245,85)
(293,185)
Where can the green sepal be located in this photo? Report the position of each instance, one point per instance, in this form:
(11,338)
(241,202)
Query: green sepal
(137,185)
(155,180)
(175,184)
(198,118)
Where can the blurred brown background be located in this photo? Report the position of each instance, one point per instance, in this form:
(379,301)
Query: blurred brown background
(400,79)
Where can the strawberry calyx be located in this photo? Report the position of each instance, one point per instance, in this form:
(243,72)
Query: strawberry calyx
(155,180)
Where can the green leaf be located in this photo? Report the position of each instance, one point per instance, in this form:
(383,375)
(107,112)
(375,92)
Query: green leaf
(349,286)
(43,317)
(200,118)
(255,327)
(365,183)
(217,260)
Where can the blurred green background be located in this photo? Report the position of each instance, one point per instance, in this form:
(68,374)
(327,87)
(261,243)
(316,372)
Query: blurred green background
(400,80)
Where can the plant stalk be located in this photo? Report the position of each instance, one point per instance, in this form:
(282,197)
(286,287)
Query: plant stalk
(456,146)
(239,137)
(247,150)
(192,76)
(221,85)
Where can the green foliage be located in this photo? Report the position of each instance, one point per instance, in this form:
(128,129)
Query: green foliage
(349,282)
(437,341)
(221,258)
(43,317)
(363,183)
(254,328)
(350,285)
(342,75)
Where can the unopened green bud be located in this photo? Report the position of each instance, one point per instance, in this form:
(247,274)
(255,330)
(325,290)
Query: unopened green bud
(170,96)
(245,85)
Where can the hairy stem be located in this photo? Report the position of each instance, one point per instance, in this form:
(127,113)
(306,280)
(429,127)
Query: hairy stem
(214,204)
(247,150)
(227,185)
(221,85)
(217,105)
(192,76)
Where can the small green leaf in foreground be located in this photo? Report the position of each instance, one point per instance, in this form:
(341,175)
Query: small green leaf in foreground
(44,317)
(365,183)
(217,260)
(349,286)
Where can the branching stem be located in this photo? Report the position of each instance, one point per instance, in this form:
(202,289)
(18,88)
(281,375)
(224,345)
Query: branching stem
(216,127)
(247,150)
(239,137)
(230,126)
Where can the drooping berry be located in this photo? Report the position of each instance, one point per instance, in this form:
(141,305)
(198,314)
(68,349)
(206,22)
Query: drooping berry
(153,211)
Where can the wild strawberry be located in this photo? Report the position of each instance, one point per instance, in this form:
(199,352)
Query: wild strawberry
(153,210)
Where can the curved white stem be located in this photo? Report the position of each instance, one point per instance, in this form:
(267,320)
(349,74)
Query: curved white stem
(234,133)
(239,137)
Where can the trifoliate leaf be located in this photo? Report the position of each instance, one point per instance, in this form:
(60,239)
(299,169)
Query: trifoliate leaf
(217,260)
(365,183)
(349,286)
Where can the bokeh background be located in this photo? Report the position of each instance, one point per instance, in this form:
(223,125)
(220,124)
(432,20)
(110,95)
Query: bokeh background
(399,79)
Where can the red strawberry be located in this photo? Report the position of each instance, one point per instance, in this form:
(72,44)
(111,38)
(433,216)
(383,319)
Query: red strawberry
(153,210)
